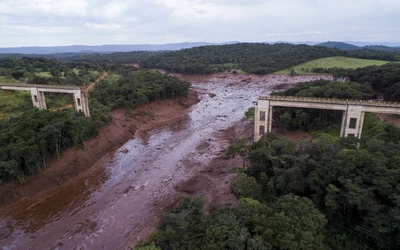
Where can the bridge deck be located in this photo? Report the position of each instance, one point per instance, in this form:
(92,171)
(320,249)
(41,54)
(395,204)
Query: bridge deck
(372,103)
(42,86)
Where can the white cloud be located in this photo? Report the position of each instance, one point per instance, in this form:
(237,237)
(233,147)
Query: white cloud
(98,26)
(64,22)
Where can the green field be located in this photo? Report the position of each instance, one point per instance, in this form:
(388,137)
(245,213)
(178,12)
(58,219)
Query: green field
(5,79)
(43,74)
(10,102)
(332,62)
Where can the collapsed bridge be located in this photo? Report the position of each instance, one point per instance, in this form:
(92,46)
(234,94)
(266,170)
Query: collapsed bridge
(353,111)
(37,93)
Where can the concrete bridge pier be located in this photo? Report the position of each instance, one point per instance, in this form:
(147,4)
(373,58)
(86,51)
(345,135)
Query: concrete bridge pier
(352,121)
(38,99)
(81,102)
(263,119)
(37,93)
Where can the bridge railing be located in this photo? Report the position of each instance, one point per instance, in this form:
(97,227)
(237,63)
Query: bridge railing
(41,86)
(330,101)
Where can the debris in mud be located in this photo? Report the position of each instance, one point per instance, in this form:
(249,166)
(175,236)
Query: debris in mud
(212,95)
(124,151)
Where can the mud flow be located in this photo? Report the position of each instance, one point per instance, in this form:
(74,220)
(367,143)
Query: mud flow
(118,201)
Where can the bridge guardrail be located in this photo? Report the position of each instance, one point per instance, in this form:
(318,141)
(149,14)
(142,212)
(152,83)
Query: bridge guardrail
(331,101)
(41,86)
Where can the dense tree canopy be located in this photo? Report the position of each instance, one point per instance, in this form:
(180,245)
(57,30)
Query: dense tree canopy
(384,79)
(255,58)
(36,70)
(137,87)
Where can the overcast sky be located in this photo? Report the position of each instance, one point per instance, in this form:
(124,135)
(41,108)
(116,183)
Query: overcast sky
(97,22)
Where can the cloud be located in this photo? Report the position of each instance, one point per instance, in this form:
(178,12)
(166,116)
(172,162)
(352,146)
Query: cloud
(64,22)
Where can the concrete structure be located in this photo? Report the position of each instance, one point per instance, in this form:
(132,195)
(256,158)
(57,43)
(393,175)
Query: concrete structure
(37,93)
(353,111)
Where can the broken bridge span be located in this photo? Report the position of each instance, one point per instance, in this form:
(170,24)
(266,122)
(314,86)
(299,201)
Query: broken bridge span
(37,93)
(353,111)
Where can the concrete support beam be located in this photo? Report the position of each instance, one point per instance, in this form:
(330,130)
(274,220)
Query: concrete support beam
(42,100)
(344,122)
(262,119)
(354,119)
(38,99)
(81,102)
(35,98)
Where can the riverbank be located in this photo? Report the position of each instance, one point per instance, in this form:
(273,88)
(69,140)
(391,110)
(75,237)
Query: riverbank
(78,159)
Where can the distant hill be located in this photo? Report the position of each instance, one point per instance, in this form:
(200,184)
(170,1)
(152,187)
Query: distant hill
(105,48)
(383,48)
(338,45)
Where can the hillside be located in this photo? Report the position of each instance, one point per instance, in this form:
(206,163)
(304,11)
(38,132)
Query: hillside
(104,48)
(254,58)
(332,62)
(383,48)
(338,45)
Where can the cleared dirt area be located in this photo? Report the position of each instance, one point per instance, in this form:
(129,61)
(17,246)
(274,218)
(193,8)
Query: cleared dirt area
(123,188)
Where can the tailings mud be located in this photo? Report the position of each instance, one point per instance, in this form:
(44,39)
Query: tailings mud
(117,202)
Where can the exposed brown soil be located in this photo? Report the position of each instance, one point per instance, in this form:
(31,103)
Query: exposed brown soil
(213,181)
(78,159)
(94,83)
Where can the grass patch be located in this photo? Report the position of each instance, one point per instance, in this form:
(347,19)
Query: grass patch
(5,79)
(56,101)
(333,62)
(332,130)
(373,126)
(43,74)
(11,102)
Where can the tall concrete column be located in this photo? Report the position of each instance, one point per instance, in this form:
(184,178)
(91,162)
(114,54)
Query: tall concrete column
(352,121)
(269,121)
(85,103)
(81,102)
(42,100)
(38,99)
(344,124)
(262,119)
(35,98)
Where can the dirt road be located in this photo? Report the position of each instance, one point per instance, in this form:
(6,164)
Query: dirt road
(118,201)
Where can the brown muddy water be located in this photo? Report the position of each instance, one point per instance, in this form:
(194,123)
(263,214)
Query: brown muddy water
(117,202)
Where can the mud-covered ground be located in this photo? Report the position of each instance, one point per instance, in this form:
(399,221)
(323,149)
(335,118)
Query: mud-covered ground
(117,201)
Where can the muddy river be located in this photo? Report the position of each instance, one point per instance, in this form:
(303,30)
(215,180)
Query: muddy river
(117,202)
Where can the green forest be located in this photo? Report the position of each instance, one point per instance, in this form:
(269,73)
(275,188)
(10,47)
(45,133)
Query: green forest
(254,58)
(34,70)
(30,137)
